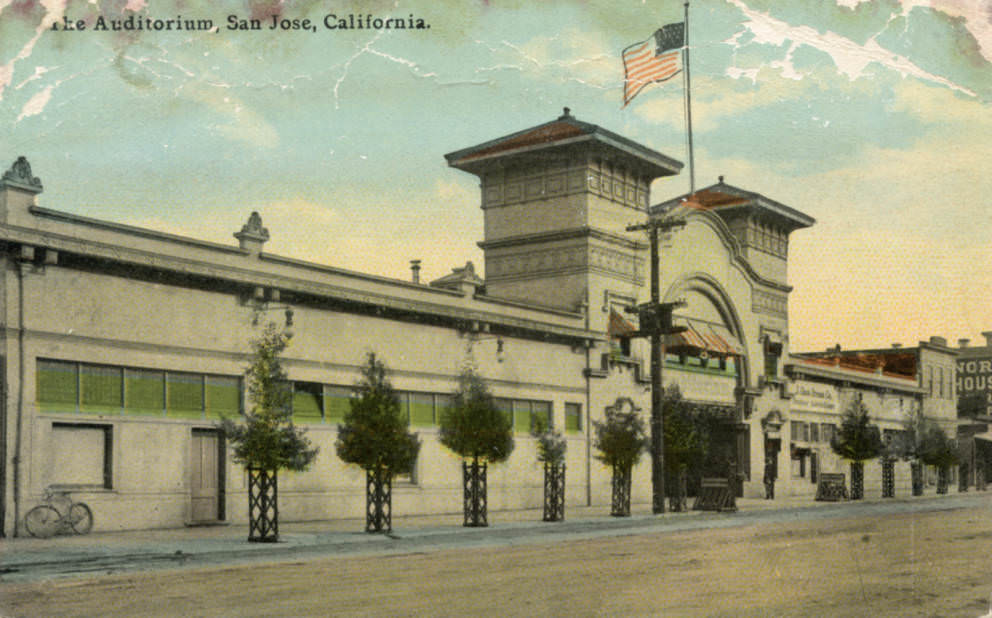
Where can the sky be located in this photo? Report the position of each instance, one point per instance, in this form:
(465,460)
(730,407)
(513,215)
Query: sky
(872,116)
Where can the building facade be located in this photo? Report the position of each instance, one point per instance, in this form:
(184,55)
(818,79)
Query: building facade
(123,347)
(892,383)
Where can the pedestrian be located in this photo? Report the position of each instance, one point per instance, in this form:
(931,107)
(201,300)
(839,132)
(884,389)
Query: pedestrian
(770,474)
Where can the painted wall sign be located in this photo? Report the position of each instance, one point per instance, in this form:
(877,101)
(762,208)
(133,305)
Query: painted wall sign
(814,397)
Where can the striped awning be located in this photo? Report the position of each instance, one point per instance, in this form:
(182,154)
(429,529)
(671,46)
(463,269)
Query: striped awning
(619,326)
(699,336)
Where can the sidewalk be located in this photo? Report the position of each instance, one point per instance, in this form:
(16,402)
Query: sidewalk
(24,559)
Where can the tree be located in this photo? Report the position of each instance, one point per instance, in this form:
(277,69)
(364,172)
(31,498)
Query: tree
(475,429)
(621,440)
(551,447)
(936,449)
(374,437)
(266,440)
(858,441)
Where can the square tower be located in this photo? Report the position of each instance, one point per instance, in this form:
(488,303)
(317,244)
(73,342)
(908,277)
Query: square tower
(557,199)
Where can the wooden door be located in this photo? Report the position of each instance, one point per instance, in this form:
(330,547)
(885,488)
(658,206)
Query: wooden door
(205,476)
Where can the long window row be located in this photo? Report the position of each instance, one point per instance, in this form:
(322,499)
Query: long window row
(314,403)
(107,389)
(87,388)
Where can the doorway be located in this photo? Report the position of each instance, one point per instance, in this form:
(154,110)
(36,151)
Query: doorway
(206,477)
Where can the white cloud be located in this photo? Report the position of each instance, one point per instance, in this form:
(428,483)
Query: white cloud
(890,287)
(591,60)
(242,123)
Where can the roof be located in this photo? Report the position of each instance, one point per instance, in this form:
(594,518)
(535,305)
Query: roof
(722,199)
(562,131)
(822,368)
(899,363)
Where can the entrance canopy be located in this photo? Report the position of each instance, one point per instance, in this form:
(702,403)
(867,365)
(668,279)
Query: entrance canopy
(702,336)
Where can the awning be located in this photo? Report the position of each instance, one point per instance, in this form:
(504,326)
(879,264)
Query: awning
(985,437)
(715,339)
(619,326)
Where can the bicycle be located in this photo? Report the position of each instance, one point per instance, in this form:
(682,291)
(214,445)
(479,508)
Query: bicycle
(58,515)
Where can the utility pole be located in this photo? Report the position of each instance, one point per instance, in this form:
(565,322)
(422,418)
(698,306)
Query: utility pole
(655,320)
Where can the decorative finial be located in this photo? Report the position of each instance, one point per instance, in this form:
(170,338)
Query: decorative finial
(720,178)
(252,235)
(19,176)
(254,228)
(566,113)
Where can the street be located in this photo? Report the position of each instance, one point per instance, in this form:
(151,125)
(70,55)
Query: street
(923,557)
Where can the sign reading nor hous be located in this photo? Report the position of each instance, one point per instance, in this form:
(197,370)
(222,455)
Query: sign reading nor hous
(975,376)
(813,397)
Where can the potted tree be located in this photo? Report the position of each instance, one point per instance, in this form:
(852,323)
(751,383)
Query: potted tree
(476,430)
(858,441)
(685,445)
(266,440)
(551,447)
(374,437)
(909,446)
(936,449)
(620,440)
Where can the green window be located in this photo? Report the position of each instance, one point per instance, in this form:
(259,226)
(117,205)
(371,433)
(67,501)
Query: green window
(307,402)
(184,395)
(101,389)
(336,404)
(58,386)
(144,391)
(541,410)
(573,417)
(443,403)
(223,396)
(505,406)
(521,415)
(421,409)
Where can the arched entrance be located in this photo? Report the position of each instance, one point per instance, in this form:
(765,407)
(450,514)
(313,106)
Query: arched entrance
(709,363)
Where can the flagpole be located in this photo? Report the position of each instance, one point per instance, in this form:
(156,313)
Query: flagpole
(688,105)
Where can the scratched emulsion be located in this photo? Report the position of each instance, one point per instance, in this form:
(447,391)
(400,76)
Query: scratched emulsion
(871,116)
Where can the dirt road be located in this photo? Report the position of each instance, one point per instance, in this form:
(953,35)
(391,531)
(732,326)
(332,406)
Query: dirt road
(912,564)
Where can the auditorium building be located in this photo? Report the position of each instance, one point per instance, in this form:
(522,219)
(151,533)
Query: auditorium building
(123,347)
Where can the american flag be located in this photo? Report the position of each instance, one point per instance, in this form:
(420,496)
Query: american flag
(651,61)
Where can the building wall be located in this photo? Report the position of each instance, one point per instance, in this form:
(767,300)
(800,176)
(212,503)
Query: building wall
(823,402)
(125,322)
(938,365)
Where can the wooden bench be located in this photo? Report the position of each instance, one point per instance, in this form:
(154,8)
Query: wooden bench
(831,487)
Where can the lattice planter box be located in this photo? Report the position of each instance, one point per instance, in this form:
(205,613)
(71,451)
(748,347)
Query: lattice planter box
(888,478)
(554,492)
(474,480)
(263,508)
(621,492)
(857,480)
(378,501)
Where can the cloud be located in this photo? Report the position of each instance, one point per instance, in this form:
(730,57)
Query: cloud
(590,60)
(891,284)
(850,58)
(239,121)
